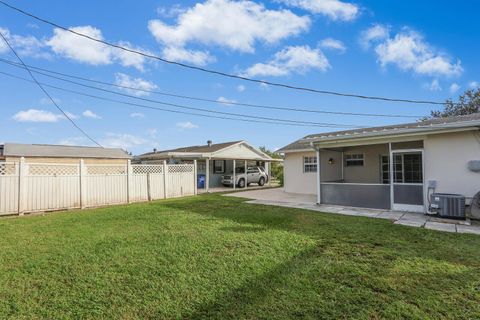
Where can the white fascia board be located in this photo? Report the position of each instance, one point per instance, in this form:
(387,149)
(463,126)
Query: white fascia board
(383,137)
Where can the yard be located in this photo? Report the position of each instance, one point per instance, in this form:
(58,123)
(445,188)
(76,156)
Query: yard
(216,257)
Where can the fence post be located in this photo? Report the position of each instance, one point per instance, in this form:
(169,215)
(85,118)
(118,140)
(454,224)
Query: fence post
(81,171)
(165,174)
(22,190)
(149,188)
(194,177)
(129,180)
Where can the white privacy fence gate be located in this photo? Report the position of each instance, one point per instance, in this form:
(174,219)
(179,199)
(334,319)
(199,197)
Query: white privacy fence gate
(33,187)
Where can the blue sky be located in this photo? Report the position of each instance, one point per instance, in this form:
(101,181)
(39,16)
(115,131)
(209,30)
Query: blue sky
(404,49)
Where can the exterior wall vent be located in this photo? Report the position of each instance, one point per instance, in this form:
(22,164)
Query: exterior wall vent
(474,165)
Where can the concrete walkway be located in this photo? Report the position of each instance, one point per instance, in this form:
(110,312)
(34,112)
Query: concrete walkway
(277,197)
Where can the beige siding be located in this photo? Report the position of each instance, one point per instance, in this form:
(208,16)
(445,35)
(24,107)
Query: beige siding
(370,171)
(446,158)
(240,151)
(297,181)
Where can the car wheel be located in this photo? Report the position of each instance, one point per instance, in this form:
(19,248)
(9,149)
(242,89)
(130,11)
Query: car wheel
(241,183)
(261,182)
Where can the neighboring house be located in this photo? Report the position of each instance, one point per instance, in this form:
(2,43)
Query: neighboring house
(393,167)
(44,153)
(213,160)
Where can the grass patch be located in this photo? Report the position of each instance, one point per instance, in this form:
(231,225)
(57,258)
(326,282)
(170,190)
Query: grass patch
(217,257)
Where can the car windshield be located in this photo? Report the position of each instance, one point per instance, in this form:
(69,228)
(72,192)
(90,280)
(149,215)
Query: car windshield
(239,170)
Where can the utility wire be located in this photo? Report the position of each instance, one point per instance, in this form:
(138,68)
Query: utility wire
(166,110)
(212,100)
(216,72)
(47,94)
(202,109)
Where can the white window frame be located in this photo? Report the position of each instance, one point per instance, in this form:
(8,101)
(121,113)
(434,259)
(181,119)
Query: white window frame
(347,160)
(311,163)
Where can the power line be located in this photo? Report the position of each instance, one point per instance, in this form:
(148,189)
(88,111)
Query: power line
(202,109)
(211,100)
(162,109)
(216,72)
(47,94)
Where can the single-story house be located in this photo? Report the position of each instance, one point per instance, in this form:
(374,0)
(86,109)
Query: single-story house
(213,160)
(45,153)
(391,167)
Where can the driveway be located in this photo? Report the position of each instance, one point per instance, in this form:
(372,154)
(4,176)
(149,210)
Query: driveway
(278,197)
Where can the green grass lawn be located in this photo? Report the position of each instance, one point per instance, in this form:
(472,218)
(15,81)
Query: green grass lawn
(216,257)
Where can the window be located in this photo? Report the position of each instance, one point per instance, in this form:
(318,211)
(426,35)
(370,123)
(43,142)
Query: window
(385,169)
(407,168)
(309,164)
(218,166)
(353,160)
(252,170)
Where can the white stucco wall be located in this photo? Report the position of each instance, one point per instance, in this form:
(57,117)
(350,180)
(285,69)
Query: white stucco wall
(297,181)
(446,158)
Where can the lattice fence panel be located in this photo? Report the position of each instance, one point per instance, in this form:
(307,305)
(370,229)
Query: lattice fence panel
(53,169)
(180,168)
(106,169)
(146,168)
(8,169)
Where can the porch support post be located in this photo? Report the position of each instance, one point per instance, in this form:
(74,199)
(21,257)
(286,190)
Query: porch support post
(269,174)
(207,174)
(234,174)
(195,191)
(319,177)
(343,167)
(390,164)
(246,176)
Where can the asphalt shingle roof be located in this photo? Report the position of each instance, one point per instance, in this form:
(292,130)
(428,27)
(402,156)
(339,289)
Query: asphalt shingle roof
(304,143)
(198,149)
(60,151)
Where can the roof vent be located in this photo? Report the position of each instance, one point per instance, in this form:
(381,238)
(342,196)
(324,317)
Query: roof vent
(209,142)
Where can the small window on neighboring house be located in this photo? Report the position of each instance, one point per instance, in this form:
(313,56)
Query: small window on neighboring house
(353,160)
(309,164)
(219,166)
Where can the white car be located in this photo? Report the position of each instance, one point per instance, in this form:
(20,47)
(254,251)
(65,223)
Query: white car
(254,175)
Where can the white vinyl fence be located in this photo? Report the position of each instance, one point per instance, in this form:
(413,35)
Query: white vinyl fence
(31,187)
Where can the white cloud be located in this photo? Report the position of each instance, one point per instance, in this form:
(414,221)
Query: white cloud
(454,88)
(236,25)
(408,51)
(173,11)
(196,57)
(226,101)
(90,114)
(126,81)
(81,49)
(433,86)
(334,44)
(24,45)
(137,115)
(34,115)
(186,125)
(241,88)
(474,84)
(375,33)
(299,59)
(75,141)
(122,140)
(334,9)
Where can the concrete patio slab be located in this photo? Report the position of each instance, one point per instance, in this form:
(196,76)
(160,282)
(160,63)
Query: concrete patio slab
(410,223)
(468,229)
(277,197)
(440,226)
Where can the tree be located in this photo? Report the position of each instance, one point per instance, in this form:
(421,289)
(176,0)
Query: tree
(276,168)
(468,103)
